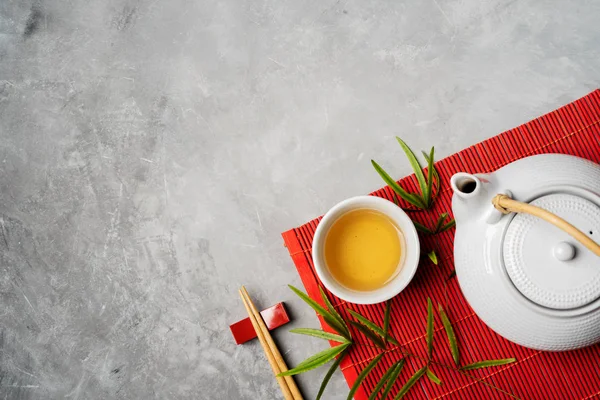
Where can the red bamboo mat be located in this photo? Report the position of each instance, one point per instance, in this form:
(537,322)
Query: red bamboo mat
(573,129)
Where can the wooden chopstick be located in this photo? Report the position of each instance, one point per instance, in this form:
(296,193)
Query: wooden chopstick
(273,347)
(287,384)
(274,366)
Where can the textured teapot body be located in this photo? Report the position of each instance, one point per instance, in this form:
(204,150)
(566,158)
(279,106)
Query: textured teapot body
(481,252)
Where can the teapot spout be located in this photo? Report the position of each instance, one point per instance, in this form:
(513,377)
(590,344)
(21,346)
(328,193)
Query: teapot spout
(472,198)
(466,186)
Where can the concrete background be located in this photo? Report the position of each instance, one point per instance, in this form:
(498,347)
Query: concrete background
(152,151)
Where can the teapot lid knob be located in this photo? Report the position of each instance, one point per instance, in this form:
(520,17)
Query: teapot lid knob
(564,251)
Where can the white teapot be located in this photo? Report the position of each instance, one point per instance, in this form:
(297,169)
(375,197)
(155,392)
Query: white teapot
(534,279)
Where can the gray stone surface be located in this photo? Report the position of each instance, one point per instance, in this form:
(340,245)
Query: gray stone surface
(151,152)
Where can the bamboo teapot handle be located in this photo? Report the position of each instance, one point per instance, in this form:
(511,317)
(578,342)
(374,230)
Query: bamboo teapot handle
(506,205)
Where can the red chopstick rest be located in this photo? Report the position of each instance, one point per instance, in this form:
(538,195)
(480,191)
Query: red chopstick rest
(274,317)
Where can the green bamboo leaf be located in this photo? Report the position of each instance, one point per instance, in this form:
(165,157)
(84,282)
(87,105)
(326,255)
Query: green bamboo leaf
(488,363)
(433,377)
(451,336)
(373,327)
(433,257)
(440,222)
(422,228)
(335,314)
(436,176)
(386,320)
(383,380)
(330,319)
(361,377)
(378,341)
(449,225)
(416,166)
(320,334)
(329,373)
(429,328)
(410,383)
(415,200)
(408,197)
(430,170)
(392,380)
(317,360)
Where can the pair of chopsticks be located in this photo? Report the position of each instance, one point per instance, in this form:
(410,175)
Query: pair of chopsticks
(288,386)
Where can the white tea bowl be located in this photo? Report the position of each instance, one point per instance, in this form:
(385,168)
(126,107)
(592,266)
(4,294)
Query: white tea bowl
(410,248)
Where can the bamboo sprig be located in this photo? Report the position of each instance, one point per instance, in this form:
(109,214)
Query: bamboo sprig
(425,198)
(382,339)
(439,227)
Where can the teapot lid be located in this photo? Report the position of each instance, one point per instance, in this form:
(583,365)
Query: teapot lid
(547,265)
